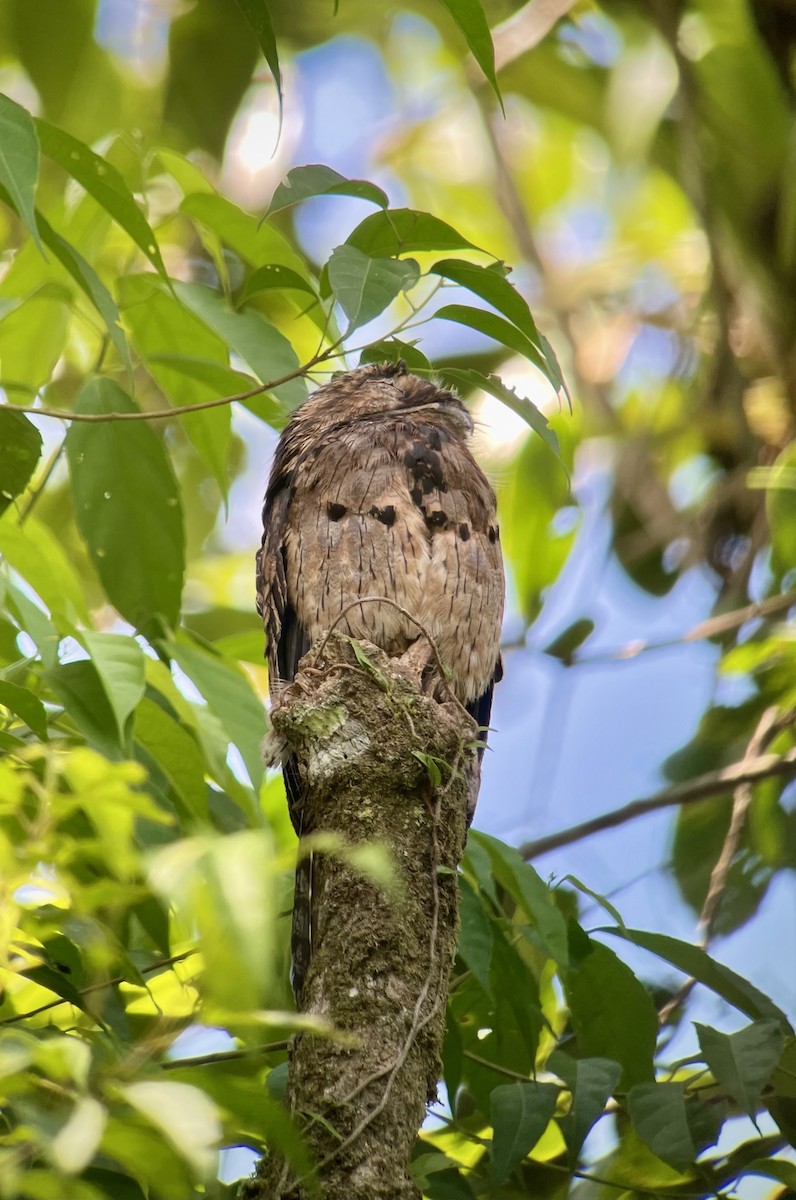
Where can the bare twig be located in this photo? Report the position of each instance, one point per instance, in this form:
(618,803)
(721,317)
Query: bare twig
(223,1056)
(712,783)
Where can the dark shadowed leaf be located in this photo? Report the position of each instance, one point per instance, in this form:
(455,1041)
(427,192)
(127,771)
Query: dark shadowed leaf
(742,1062)
(119,661)
(20,450)
(612,1013)
(175,752)
(471,19)
(524,884)
(257,14)
(90,283)
(526,409)
(25,705)
(401,230)
(19,161)
(476,936)
(102,181)
(689,959)
(493,326)
(591,1081)
(319,180)
(365,286)
(520,1113)
(395,350)
(660,1116)
(491,285)
(78,687)
(127,506)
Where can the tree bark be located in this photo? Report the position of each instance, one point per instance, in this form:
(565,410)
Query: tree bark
(381,958)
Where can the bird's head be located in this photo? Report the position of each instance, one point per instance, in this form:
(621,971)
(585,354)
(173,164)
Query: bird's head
(377,390)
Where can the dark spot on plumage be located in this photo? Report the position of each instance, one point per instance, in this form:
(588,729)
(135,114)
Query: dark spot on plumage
(464,531)
(436,520)
(417,496)
(335,511)
(434,440)
(492,533)
(386,515)
(427,483)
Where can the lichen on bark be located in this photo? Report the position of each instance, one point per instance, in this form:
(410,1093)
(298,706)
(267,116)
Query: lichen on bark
(381,960)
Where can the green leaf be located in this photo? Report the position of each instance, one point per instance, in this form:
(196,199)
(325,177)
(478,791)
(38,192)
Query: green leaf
(55,981)
(78,687)
(394,350)
(495,327)
(591,1081)
(781,509)
(75,1144)
(127,507)
(229,695)
(603,902)
(660,1116)
(689,959)
(266,350)
(188,362)
(175,752)
(365,286)
(227,885)
(780,1169)
(319,180)
(742,1062)
(491,285)
(400,230)
(19,161)
(187,1117)
(523,408)
(476,936)
(523,883)
(26,706)
(612,1013)
(256,242)
(20,450)
(102,181)
(37,554)
(257,14)
(274,276)
(470,17)
(120,664)
(89,282)
(563,647)
(520,1113)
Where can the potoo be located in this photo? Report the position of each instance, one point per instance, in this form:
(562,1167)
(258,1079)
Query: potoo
(374,492)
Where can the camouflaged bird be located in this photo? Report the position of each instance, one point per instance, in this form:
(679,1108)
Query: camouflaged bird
(374,492)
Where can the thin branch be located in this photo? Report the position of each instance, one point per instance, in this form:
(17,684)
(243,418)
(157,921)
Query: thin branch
(712,783)
(770,723)
(223,1056)
(711,627)
(158,414)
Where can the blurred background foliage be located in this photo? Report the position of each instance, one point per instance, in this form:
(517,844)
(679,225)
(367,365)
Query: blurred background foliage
(635,167)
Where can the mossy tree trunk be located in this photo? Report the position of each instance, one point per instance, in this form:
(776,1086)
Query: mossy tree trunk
(381,958)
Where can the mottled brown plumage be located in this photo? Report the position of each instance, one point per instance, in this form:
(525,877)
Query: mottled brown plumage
(374,492)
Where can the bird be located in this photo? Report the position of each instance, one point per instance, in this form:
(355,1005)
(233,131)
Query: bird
(374,491)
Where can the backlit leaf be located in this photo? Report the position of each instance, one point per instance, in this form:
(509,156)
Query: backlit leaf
(19,161)
(119,661)
(127,507)
(102,181)
(257,14)
(471,19)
